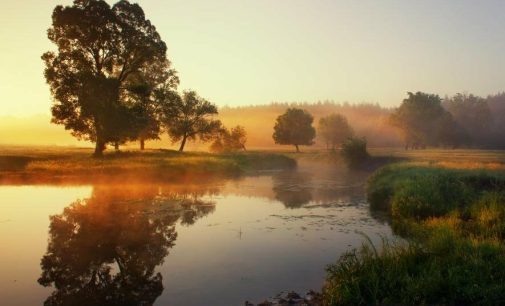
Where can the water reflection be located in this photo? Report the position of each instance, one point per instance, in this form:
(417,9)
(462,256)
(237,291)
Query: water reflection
(111,248)
(292,188)
(296,189)
(104,250)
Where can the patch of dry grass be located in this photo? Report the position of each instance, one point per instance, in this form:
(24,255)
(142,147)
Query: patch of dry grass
(57,164)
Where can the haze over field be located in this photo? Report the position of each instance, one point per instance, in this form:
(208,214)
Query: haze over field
(367,120)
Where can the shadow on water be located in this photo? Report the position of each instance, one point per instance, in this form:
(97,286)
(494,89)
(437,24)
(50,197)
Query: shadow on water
(104,250)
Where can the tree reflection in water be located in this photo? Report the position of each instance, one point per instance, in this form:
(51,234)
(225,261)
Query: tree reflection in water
(295,189)
(292,188)
(104,250)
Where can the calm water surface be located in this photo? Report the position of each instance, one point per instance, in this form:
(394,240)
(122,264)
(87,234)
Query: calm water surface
(218,242)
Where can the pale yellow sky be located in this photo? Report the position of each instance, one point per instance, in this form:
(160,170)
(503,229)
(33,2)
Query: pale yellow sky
(255,52)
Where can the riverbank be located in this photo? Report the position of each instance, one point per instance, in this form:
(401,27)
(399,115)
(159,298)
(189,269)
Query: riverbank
(54,166)
(452,217)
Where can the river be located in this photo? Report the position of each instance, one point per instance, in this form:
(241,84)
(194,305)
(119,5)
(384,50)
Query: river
(198,241)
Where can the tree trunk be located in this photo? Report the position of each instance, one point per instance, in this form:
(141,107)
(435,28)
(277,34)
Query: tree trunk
(99,148)
(116,146)
(297,149)
(183,143)
(142,144)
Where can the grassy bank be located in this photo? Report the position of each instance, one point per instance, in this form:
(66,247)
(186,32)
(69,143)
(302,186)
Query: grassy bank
(75,165)
(453,221)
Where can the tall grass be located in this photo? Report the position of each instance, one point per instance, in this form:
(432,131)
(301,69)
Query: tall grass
(454,224)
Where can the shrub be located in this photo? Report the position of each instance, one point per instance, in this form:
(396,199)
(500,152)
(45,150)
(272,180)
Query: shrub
(354,151)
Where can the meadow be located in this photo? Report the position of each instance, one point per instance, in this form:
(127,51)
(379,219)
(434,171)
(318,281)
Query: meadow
(449,208)
(28,165)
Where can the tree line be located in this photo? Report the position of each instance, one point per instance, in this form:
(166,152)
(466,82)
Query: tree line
(422,119)
(463,120)
(112,82)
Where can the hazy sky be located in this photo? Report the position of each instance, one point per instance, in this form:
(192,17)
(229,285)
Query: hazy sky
(253,52)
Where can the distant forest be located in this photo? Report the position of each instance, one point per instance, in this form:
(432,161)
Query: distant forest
(479,122)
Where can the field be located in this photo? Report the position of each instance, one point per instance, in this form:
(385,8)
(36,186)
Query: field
(22,165)
(458,159)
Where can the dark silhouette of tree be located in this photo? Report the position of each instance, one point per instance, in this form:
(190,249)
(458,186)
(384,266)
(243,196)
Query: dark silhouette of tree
(101,51)
(104,250)
(294,127)
(146,107)
(422,120)
(334,129)
(188,117)
(229,140)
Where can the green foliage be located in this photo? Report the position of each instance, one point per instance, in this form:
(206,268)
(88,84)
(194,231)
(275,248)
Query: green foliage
(334,129)
(294,127)
(429,196)
(102,52)
(189,117)
(454,221)
(450,271)
(354,151)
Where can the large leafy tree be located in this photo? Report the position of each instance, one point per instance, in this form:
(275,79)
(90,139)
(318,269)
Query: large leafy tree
(294,127)
(101,52)
(334,129)
(423,121)
(188,117)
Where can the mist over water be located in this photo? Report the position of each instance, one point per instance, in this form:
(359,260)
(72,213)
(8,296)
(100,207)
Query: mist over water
(217,243)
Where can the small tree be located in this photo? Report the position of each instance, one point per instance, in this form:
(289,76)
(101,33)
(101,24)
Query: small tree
(229,140)
(334,129)
(189,117)
(294,127)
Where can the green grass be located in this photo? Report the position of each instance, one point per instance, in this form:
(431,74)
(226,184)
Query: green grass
(453,222)
(76,165)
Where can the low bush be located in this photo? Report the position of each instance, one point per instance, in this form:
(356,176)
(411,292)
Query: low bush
(354,151)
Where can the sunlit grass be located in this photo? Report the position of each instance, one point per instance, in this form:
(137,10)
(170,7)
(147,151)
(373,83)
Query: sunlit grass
(453,220)
(77,164)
